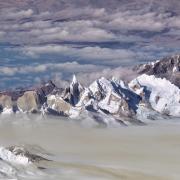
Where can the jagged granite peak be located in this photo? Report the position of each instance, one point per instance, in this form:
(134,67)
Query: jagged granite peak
(168,68)
(113,97)
(72,93)
(106,101)
(74,79)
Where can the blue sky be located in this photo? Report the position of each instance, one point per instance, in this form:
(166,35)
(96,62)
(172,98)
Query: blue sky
(42,39)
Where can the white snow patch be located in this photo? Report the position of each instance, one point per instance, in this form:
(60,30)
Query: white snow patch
(7,111)
(164,96)
(9,156)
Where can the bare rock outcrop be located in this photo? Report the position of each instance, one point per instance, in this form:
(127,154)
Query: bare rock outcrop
(168,68)
(29,102)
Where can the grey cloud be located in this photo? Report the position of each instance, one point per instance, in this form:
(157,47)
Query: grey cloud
(129,21)
(174,22)
(78,12)
(8,71)
(92,25)
(34,51)
(93,53)
(173,32)
(15,14)
(86,74)
(106,53)
(87,24)
(125,74)
(102,32)
(77,31)
(2,34)
(71,67)
(27,26)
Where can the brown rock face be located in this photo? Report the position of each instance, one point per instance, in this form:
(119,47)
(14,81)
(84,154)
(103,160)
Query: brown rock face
(168,68)
(58,104)
(29,101)
(123,107)
(5,101)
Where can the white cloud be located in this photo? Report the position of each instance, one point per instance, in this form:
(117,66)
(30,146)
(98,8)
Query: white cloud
(68,67)
(88,24)
(86,73)
(8,71)
(76,31)
(123,73)
(85,53)
(106,53)
(90,34)
(137,21)
(34,51)
(96,32)
(14,14)
(86,78)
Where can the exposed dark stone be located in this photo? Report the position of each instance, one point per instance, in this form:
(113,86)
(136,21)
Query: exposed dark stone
(168,68)
(41,168)
(105,111)
(99,119)
(23,152)
(72,93)
(1,108)
(90,108)
(44,90)
(132,98)
(48,88)
(56,113)
(27,95)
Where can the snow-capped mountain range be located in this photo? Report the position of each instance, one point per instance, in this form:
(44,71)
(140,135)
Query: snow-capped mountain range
(151,95)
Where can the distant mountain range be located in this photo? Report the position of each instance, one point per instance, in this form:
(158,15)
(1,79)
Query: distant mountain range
(154,94)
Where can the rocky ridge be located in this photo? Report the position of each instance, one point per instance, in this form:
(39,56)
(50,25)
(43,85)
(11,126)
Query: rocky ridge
(153,93)
(168,67)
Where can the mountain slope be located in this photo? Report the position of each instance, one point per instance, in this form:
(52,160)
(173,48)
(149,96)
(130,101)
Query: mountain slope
(106,101)
(163,96)
(168,68)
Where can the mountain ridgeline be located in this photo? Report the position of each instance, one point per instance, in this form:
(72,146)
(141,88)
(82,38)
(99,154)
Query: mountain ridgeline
(154,94)
(168,68)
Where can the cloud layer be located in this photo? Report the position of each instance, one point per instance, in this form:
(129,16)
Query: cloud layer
(75,36)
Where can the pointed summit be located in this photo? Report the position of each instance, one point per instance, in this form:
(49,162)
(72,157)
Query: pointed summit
(74,79)
(72,93)
(75,84)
